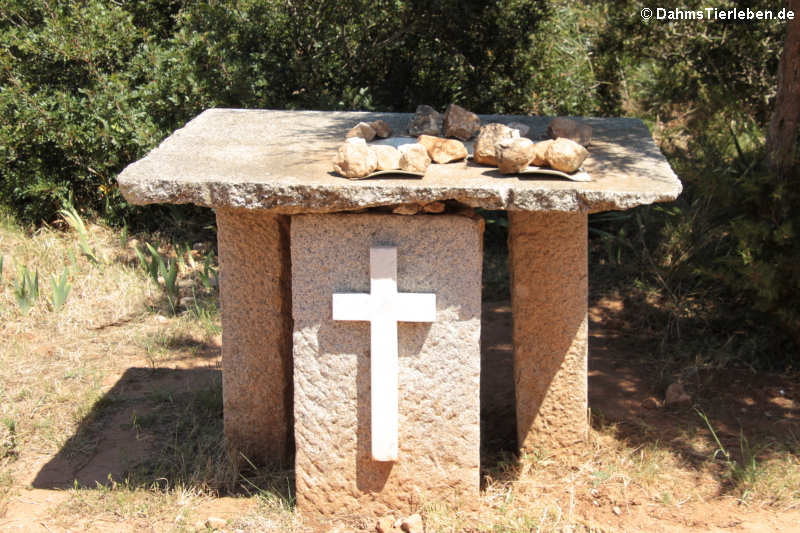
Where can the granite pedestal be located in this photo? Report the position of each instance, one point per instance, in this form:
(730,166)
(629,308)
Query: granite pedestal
(261,169)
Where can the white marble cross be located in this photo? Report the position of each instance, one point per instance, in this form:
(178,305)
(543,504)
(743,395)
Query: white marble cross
(383,308)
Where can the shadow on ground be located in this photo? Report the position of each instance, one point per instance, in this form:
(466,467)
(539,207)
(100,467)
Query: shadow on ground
(153,423)
(164,426)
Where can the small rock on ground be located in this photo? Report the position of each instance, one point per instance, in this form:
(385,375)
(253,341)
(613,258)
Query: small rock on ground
(412,524)
(676,396)
(385,524)
(213,522)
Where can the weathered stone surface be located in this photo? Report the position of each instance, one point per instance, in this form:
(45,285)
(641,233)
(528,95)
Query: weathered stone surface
(566,155)
(362,130)
(355,159)
(256,330)
(562,127)
(484,151)
(281,161)
(548,263)
(388,156)
(460,123)
(540,153)
(382,128)
(414,157)
(426,121)
(513,155)
(439,437)
(676,396)
(523,129)
(442,150)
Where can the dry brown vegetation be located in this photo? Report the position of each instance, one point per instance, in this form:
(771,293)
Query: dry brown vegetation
(111,421)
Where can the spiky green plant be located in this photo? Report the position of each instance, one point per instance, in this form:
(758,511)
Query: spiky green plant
(75,221)
(26,289)
(61,290)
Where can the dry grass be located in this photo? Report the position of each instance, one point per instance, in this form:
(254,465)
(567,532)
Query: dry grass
(115,362)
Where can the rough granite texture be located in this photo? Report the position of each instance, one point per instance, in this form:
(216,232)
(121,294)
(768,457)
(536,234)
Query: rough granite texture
(256,333)
(439,376)
(549,290)
(282,161)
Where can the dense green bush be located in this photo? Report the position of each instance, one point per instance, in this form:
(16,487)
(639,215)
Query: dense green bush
(88,86)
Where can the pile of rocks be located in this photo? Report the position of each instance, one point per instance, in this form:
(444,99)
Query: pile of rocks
(440,139)
(507,149)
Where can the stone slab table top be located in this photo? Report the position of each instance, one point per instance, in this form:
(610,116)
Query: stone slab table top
(282,161)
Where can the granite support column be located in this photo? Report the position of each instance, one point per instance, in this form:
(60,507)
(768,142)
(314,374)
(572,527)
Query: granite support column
(256,333)
(548,265)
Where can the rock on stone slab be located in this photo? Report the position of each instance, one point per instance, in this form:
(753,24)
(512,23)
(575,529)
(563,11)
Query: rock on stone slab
(382,128)
(489,135)
(566,128)
(414,158)
(434,207)
(540,153)
(514,155)
(566,155)
(460,123)
(443,150)
(523,129)
(355,159)
(407,209)
(412,524)
(676,396)
(426,121)
(388,156)
(363,130)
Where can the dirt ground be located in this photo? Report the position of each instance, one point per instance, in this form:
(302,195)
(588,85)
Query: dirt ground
(626,394)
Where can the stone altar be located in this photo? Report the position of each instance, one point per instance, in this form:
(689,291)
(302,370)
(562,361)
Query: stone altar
(268,175)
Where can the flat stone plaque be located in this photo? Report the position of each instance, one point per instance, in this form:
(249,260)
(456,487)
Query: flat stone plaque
(438,383)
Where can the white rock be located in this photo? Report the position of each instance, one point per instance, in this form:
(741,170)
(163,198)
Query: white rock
(355,159)
(415,158)
(388,156)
